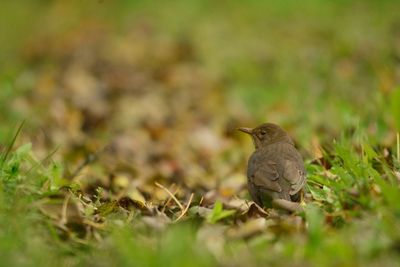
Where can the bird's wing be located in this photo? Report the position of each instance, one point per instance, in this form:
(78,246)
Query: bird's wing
(264,175)
(294,173)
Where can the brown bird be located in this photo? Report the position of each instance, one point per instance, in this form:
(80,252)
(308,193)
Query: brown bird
(275,171)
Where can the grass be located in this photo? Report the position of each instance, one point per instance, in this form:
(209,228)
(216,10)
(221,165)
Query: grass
(353,220)
(167,85)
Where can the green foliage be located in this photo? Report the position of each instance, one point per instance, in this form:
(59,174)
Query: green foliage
(327,71)
(177,246)
(218,213)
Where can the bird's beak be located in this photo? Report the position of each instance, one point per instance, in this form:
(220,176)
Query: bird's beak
(245,130)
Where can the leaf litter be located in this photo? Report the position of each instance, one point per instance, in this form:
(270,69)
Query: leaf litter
(136,141)
(145,135)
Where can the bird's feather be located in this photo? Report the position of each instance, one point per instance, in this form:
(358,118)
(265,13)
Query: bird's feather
(295,175)
(267,176)
(277,168)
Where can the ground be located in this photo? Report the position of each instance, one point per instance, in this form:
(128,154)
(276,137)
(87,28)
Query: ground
(119,142)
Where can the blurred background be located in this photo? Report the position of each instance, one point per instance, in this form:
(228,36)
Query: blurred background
(162,87)
(120,95)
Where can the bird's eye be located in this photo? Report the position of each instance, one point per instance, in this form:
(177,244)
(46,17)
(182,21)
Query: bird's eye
(261,134)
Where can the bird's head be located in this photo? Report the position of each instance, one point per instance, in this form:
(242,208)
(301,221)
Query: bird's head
(266,134)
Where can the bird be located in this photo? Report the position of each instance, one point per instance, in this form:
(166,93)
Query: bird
(275,171)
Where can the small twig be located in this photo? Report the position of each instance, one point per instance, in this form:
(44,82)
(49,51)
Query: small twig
(260,209)
(63,219)
(186,209)
(168,200)
(93,224)
(287,205)
(170,194)
(201,200)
